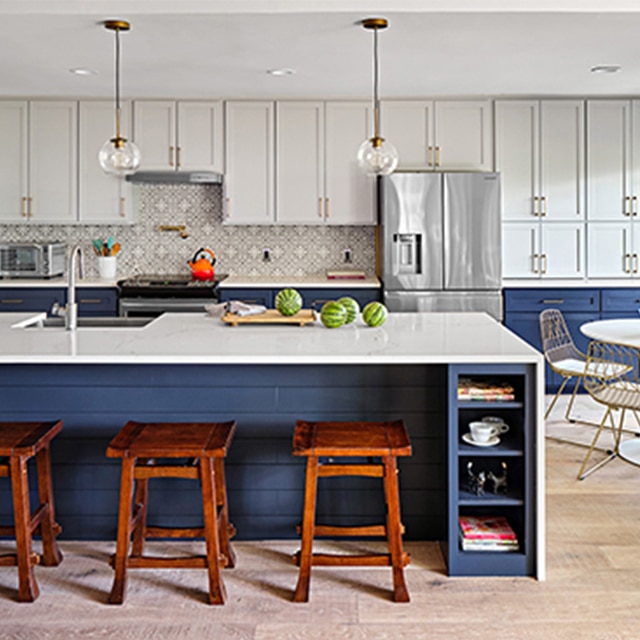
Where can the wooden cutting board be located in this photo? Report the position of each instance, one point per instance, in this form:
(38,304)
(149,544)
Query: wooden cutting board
(270,316)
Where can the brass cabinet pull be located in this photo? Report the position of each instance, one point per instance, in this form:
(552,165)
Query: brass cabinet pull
(90,300)
(430,156)
(635,263)
(30,207)
(627,263)
(24,207)
(627,206)
(543,257)
(171,156)
(553,301)
(327,210)
(543,206)
(320,207)
(536,206)
(123,211)
(227,209)
(535,263)
(12,301)
(634,206)
(437,156)
(178,156)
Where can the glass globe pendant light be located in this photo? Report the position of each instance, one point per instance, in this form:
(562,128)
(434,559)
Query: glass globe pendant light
(118,156)
(376,156)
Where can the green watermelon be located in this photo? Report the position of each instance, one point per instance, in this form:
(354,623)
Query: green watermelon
(288,302)
(374,314)
(333,315)
(352,307)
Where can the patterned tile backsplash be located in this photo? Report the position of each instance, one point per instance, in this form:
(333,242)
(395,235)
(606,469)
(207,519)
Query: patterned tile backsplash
(294,250)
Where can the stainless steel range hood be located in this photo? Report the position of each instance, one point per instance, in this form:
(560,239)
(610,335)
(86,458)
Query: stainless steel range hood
(175,177)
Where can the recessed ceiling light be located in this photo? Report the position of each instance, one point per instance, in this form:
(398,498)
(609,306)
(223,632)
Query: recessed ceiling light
(84,72)
(606,68)
(281,72)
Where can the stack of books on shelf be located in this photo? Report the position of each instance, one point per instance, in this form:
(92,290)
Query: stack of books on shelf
(483,391)
(487,533)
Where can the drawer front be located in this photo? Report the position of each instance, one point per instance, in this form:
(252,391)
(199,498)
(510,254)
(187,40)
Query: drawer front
(522,300)
(98,301)
(250,296)
(315,298)
(30,299)
(626,300)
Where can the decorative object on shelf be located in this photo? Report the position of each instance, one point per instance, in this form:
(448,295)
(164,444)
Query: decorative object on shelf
(475,482)
(482,391)
(376,156)
(499,482)
(118,156)
(491,442)
(487,533)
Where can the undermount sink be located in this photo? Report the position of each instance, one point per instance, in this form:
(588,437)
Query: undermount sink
(92,323)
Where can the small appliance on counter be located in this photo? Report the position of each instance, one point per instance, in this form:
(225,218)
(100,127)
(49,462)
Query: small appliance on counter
(32,260)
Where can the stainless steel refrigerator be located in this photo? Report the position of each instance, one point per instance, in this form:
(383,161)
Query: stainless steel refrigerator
(441,242)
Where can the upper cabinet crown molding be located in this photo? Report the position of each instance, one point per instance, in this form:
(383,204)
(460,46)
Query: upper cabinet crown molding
(179,135)
(440,135)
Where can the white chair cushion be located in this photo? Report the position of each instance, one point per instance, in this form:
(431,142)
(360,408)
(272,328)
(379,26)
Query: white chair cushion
(573,367)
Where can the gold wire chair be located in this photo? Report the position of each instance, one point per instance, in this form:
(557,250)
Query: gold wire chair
(611,379)
(562,355)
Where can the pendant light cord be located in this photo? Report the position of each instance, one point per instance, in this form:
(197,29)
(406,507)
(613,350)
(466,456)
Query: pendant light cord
(118,136)
(376,101)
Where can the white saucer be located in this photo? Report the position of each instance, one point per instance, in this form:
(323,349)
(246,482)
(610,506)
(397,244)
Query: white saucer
(489,443)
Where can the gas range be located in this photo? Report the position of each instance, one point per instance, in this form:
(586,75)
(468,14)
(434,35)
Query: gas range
(151,295)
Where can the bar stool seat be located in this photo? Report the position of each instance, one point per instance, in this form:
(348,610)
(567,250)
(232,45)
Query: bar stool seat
(19,442)
(143,448)
(384,440)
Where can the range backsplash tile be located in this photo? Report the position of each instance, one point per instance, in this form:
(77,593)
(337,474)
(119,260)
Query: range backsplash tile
(294,250)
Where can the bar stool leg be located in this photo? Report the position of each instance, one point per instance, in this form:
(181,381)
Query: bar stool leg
(225,528)
(217,594)
(124,532)
(305,557)
(394,533)
(27,586)
(141,502)
(51,555)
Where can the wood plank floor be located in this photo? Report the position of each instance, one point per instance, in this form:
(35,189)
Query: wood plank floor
(592,590)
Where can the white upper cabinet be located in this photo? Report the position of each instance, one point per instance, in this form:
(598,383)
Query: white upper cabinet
(440,135)
(14,128)
(612,156)
(249,161)
(539,154)
(300,195)
(349,192)
(102,197)
(183,135)
(611,250)
(53,156)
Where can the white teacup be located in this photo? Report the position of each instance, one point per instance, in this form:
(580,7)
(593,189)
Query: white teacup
(497,422)
(483,431)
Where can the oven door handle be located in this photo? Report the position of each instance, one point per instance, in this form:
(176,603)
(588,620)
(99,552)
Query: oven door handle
(155,306)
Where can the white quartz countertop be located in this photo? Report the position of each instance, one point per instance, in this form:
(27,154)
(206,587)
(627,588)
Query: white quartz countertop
(319,280)
(571,284)
(60,281)
(174,338)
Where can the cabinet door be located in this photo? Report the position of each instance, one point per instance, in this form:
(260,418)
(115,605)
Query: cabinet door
(609,250)
(30,298)
(520,250)
(102,198)
(199,137)
(249,177)
(300,163)
(608,159)
(154,131)
(53,157)
(349,192)
(562,250)
(562,159)
(517,157)
(13,161)
(409,127)
(463,135)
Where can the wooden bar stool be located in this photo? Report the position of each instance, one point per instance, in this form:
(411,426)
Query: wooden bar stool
(142,448)
(19,442)
(385,440)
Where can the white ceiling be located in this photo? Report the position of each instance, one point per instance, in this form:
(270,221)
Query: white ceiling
(198,49)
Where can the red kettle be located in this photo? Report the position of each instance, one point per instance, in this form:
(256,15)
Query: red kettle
(202,264)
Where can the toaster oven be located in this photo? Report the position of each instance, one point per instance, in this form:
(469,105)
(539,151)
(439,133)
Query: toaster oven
(32,260)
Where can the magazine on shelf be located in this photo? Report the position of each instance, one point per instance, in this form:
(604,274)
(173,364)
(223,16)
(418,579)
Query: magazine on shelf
(483,391)
(490,545)
(486,528)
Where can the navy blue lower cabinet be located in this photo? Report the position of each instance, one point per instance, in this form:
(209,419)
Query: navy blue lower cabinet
(472,491)
(250,296)
(97,301)
(30,298)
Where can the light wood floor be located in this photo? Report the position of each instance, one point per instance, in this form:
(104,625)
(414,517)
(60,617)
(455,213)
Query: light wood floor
(592,590)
